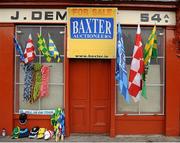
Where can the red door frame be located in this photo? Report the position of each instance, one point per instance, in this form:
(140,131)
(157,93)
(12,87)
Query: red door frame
(112,98)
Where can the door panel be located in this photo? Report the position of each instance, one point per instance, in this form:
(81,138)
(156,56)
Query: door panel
(100,97)
(79,96)
(89,96)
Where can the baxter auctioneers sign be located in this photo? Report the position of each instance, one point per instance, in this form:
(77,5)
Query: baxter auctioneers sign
(91,33)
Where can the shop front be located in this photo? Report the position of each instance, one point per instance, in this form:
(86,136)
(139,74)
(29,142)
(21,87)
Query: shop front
(82,81)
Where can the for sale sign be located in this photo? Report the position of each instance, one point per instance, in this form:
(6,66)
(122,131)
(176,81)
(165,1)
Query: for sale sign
(91,33)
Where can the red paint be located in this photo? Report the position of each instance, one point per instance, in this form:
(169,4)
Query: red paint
(172,85)
(6,76)
(43,121)
(89,96)
(140,125)
(112,118)
(168,124)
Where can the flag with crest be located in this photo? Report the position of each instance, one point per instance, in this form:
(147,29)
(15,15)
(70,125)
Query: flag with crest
(121,72)
(137,68)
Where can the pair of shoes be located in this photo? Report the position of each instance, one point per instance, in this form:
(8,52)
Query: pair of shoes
(48,134)
(41,133)
(23,133)
(34,132)
(15,133)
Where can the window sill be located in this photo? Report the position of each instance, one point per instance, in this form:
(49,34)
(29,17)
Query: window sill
(34,117)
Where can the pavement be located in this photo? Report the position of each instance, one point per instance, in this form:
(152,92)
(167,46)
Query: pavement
(101,138)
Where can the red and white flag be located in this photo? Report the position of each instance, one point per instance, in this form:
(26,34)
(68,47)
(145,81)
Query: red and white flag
(137,68)
(29,53)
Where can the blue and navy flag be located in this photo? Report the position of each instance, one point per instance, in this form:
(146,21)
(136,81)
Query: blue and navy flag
(19,50)
(121,72)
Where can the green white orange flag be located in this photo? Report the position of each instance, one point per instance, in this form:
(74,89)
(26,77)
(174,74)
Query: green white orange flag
(150,51)
(43,48)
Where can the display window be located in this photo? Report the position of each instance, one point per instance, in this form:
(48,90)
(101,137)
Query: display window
(55,95)
(154,104)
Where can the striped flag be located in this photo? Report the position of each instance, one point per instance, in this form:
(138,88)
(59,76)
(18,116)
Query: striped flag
(43,48)
(53,50)
(121,72)
(29,53)
(137,68)
(150,51)
(19,49)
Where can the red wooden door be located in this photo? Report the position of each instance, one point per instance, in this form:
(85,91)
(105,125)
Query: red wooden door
(89,96)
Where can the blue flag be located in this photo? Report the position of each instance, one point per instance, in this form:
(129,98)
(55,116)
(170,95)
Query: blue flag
(18,48)
(121,72)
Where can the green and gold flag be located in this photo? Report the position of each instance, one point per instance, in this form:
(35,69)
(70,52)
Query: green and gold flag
(43,48)
(150,51)
(53,50)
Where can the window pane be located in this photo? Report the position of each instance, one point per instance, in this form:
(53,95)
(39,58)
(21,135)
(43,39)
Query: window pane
(155,78)
(154,103)
(123,107)
(55,98)
(56,80)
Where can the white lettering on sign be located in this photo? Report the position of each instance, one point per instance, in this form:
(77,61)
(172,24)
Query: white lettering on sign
(91,28)
(60,16)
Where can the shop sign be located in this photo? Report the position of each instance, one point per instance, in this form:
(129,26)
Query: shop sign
(33,15)
(91,28)
(130,17)
(42,112)
(92,33)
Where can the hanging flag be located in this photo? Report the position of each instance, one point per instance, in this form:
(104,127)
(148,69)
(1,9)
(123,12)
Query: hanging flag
(137,68)
(53,50)
(121,72)
(29,53)
(43,48)
(19,49)
(150,51)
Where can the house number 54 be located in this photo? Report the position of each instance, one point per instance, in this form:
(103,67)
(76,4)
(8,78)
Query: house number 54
(146,17)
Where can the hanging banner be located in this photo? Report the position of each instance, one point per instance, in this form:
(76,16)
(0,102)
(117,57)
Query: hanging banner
(91,33)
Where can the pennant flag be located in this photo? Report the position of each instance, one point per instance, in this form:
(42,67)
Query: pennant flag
(19,49)
(137,68)
(43,48)
(150,51)
(121,72)
(29,53)
(53,50)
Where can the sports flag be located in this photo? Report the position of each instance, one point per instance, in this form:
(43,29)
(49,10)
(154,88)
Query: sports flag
(53,50)
(121,72)
(150,51)
(29,53)
(19,49)
(43,48)
(137,68)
